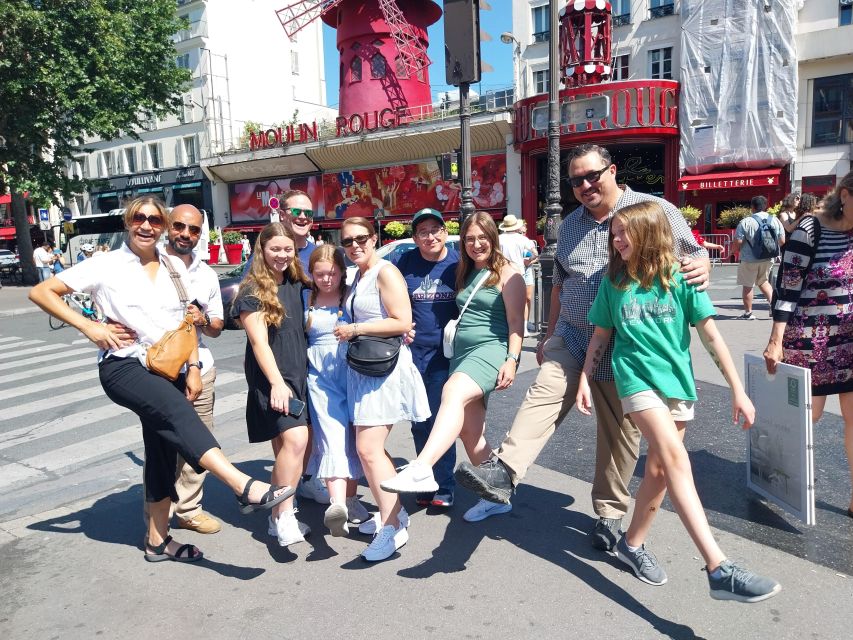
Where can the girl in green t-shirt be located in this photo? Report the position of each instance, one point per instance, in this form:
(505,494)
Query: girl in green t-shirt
(646,301)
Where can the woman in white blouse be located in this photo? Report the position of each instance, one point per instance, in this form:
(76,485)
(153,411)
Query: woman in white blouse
(133,288)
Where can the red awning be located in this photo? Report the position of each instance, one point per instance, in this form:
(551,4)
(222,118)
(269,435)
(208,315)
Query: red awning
(7,233)
(745,179)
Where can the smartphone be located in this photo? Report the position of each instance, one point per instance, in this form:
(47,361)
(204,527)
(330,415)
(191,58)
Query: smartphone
(295,407)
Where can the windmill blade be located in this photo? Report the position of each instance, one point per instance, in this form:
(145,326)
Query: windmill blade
(485,6)
(485,67)
(298,15)
(485,36)
(409,45)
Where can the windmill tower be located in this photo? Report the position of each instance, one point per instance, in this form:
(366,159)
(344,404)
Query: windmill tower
(383,51)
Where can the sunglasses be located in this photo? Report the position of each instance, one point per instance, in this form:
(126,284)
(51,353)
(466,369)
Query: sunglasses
(361,240)
(180,226)
(155,221)
(592,177)
(296,212)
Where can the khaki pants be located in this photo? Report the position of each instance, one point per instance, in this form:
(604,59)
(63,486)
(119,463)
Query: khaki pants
(188,483)
(547,402)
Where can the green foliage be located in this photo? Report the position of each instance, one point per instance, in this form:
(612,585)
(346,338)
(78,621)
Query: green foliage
(691,214)
(452,227)
(730,218)
(774,210)
(540,224)
(213,236)
(232,237)
(75,69)
(394,229)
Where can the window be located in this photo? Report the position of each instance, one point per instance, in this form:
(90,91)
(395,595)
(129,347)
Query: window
(541,23)
(108,163)
(130,159)
(845,12)
(833,110)
(190,156)
(661,8)
(355,69)
(660,63)
(620,69)
(400,67)
(377,66)
(80,167)
(183,61)
(541,81)
(294,63)
(154,159)
(621,12)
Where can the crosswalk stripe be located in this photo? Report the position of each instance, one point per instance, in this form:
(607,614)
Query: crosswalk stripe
(32,351)
(22,343)
(47,385)
(80,341)
(9,338)
(79,453)
(55,368)
(5,366)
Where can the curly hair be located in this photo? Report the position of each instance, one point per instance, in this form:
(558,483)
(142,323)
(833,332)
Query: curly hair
(652,256)
(496,258)
(326,253)
(261,284)
(832,201)
(807,204)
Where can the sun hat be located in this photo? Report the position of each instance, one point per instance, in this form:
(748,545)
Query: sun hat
(510,223)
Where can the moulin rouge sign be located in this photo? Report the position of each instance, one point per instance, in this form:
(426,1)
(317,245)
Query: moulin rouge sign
(354,124)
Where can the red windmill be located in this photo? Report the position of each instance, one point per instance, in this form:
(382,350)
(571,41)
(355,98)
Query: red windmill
(586,36)
(382,46)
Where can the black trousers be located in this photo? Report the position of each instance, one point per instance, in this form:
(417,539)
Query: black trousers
(170,425)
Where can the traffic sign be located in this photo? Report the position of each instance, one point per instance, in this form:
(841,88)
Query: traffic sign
(44,215)
(274,203)
(66,214)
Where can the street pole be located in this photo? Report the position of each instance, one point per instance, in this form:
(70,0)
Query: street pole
(553,209)
(466,208)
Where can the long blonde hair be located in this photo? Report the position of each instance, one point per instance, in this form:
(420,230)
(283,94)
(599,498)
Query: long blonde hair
(260,283)
(327,253)
(652,256)
(496,258)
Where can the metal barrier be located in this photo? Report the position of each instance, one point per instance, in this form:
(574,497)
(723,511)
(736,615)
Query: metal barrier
(724,240)
(537,304)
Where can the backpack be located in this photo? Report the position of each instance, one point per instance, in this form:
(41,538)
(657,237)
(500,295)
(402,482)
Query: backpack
(764,243)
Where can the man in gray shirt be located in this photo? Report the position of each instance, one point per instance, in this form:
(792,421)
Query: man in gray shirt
(754,270)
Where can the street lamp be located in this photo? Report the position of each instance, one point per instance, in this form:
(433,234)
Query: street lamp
(508,38)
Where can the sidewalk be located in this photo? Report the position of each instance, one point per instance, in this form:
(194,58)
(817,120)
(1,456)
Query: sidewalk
(14,301)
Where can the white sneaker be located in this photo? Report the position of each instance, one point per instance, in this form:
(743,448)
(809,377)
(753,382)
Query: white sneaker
(485,509)
(335,520)
(368,527)
(357,512)
(385,543)
(314,489)
(288,529)
(415,477)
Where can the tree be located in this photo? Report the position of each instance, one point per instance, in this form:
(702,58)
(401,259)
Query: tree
(77,69)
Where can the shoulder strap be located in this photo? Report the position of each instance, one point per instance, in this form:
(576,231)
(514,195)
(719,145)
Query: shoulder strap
(176,280)
(483,278)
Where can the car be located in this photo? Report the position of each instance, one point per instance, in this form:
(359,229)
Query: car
(393,250)
(8,258)
(229,282)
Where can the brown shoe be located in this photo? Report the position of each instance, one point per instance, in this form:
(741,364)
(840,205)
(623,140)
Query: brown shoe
(202,523)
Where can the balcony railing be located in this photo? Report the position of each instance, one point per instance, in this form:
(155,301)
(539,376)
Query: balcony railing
(196,30)
(662,11)
(541,36)
(622,20)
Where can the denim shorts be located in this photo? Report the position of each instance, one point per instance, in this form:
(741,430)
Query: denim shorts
(681,410)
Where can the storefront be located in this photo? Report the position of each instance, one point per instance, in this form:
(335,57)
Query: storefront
(186,185)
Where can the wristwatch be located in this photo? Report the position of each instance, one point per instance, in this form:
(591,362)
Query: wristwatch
(194,364)
(206,320)
(514,356)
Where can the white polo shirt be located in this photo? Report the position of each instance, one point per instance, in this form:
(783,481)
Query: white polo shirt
(122,290)
(204,287)
(513,245)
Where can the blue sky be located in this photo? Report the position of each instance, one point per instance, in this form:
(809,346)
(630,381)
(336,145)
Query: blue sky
(496,53)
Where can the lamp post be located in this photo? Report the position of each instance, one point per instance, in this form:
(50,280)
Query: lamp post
(466,196)
(553,209)
(520,88)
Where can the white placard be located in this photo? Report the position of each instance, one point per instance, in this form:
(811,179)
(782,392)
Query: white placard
(779,446)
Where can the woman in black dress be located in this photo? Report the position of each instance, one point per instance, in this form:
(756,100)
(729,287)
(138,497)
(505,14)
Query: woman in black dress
(269,305)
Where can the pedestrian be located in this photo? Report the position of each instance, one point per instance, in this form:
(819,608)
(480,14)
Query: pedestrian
(430,273)
(788,213)
(269,305)
(519,250)
(808,205)
(379,306)
(43,259)
(338,465)
(58,262)
(486,352)
(706,244)
(531,257)
(580,262)
(133,287)
(184,232)
(246,247)
(813,309)
(753,237)
(86,251)
(646,303)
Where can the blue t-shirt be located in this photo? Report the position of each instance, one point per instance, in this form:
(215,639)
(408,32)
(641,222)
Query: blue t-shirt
(432,290)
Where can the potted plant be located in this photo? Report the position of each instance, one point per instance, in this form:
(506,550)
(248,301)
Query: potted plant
(233,247)
(213,246)
(691,214)
(452,227)
(730,218)
(394,229)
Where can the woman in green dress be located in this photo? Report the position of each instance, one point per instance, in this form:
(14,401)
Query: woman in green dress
(485,357)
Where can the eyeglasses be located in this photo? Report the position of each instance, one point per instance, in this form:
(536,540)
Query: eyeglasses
(361,240)
(592,177)
(155,221)
(296,212)
(180,226)
(473,239)
(426,233)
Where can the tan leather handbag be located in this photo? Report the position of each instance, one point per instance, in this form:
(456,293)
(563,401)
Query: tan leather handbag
(167,356)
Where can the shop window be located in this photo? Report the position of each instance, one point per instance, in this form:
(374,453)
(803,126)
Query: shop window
(541,81)
(355,69)
(377,66)
(833,110)
(621,12)
(661,8)
(621,67)
(130,159)
(660,63)
(845,13)
(541,20)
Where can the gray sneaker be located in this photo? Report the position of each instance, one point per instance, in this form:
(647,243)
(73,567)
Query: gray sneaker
(643,562)
(740,584)
(604,534)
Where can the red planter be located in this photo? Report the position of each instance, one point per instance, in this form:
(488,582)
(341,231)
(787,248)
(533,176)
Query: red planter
(234,253)
(214,253)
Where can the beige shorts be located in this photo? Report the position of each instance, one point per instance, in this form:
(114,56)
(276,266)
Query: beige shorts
(753,274)
(681,410)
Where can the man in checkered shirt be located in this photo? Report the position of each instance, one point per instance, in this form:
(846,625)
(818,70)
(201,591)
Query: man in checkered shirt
(581,262)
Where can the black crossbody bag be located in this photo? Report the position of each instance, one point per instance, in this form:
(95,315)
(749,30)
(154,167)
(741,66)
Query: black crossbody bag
(371,355)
